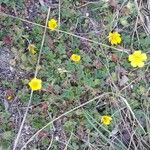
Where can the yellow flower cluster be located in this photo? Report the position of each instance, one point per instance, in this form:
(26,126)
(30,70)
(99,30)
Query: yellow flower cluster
(137,58)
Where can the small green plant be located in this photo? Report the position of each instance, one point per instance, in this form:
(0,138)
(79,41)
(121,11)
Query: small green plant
(79,76)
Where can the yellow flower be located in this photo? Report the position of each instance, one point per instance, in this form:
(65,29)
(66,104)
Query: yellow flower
(52,24)
(137,59)
(32,49)
(114,38)
(75,57)
(35,84)
(105,119)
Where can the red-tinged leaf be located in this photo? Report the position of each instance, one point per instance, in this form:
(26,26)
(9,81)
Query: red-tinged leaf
(42,134)
(44,106)
(7,40)
(50,89)
(3,9)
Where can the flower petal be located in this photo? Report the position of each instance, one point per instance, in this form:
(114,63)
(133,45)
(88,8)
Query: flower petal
(119,40)
(110,34)
(133,64)
(35,84)
(52,24)
(75,57)
(117,34)
(130,58)
(114,38)
(137,52)
(141,64)
(143,56)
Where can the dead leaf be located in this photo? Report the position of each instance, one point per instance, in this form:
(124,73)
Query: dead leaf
(69,53)
(123,80)
(81,133)
(112,4)
(124,131)
(122,76)
(9,95)
(125,11)
(120,70)
(114,58)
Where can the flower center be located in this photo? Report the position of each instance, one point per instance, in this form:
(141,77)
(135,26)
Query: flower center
(114,38)
(53,25)
(76,57)
(137,59)
(35,84)
(105,119)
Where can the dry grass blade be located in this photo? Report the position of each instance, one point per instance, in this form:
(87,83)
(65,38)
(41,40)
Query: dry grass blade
(64,114)
(72,34)
(26,112)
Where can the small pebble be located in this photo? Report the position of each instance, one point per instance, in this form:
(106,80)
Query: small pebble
(87,14)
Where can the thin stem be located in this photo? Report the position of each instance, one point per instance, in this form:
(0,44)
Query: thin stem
(29,103)
(22,123)
(68,33)
(64,114)
(130,109)
(59,14)
(68,141)
(43,39)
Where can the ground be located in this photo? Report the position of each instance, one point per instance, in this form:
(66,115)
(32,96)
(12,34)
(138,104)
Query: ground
(66,113)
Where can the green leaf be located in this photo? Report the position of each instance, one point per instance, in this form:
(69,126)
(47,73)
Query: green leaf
(7,135)
(76,50)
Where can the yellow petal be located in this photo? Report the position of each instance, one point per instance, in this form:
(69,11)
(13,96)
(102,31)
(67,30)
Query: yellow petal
(141,64)
(52,24)
(114,38)
(35,84)
(143,56)
(117,34)
(137,52)
(119,40)
(130,58)
(110,34)
(133,64)
(106,119)
(75,57)
(113,42)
